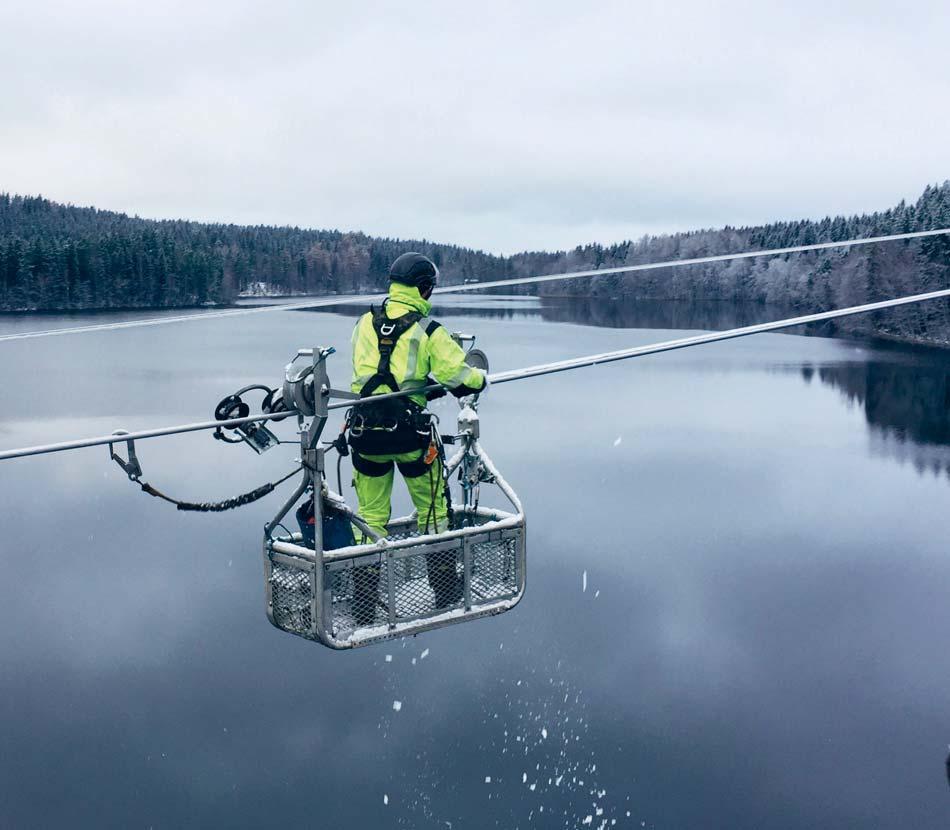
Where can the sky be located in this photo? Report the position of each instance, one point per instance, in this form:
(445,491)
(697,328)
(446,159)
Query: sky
(504,127)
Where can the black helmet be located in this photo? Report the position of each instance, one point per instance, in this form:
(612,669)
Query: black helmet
(414,269)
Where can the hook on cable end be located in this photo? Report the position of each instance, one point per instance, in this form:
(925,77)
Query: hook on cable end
(131,466)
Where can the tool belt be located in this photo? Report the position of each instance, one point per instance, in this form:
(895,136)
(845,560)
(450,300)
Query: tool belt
(391,426)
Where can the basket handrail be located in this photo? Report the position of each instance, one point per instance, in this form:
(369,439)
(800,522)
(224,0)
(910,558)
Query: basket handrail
(505,521)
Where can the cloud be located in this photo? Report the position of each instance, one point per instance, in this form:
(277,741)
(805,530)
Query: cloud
(540,126)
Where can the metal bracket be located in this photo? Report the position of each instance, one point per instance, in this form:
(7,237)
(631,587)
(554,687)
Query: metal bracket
(131,467)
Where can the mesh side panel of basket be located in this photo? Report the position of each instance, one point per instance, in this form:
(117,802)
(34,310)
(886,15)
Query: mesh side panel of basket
(291,599)
(494,569)
(422,584)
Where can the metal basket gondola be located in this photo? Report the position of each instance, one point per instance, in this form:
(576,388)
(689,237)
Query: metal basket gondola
(397,585)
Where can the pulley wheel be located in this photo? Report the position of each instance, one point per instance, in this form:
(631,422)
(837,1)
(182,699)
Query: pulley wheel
(231,407)
(477,359)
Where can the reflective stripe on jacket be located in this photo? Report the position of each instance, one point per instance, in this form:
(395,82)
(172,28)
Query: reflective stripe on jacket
(417,354)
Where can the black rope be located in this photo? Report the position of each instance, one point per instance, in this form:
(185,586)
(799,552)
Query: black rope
(431,512)
(446,489)
(341,447)
(219,506)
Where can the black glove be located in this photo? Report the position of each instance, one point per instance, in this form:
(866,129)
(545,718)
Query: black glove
(464,391)
(435,393)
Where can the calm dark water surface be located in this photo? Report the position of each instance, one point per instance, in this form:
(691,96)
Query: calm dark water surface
(762,642)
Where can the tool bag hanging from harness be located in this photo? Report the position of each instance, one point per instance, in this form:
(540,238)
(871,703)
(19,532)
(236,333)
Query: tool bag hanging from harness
(394,425)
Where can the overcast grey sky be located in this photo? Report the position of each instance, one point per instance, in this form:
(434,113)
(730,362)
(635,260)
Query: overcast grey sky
(495,125)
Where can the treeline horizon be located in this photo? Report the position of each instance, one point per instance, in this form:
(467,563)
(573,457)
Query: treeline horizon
(56,257)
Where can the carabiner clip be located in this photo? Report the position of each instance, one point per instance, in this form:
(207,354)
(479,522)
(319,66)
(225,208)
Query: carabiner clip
(131,467)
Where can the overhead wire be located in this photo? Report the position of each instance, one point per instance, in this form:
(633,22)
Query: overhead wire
(500,377)
(183,318)
(326,302)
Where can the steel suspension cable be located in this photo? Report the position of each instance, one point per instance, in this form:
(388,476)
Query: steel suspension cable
(712,337)
(185,318)
(478,286)
(500,377)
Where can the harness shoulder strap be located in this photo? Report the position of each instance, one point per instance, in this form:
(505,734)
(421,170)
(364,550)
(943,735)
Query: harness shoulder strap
(388,333)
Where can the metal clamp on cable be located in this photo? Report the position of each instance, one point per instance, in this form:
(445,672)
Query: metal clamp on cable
(131,467)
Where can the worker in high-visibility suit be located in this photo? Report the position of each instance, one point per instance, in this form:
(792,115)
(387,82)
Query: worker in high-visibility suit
(396,347)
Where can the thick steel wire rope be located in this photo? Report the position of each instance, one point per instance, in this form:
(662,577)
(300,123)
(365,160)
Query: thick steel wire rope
(499,377)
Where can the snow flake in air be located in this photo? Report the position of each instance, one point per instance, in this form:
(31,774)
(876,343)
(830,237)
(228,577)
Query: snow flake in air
(397,705)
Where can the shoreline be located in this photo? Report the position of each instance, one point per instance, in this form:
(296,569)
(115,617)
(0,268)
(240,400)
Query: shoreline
(879,339)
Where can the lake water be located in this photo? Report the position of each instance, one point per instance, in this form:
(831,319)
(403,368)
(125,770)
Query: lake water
(762,642)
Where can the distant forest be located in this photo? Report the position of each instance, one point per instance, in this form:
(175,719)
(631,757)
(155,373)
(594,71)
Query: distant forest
(61,257)
(799,283)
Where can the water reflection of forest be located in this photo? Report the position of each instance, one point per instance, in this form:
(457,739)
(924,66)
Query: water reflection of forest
(906,404)
(643,314)
(652,314)
(906,401)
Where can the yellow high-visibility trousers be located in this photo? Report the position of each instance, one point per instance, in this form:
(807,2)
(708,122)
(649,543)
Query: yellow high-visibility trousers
(373,478)
(374,488)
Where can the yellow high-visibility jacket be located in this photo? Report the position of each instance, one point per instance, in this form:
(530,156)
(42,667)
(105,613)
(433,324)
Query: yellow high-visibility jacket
(427,348)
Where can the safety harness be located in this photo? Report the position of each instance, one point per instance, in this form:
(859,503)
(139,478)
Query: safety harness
(396,425)
(393,425)
(388,333)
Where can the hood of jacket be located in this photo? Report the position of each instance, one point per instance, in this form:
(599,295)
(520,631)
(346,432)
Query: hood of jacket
(408,296)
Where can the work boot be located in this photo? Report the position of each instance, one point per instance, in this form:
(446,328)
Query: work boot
(365,594)
(446,583)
